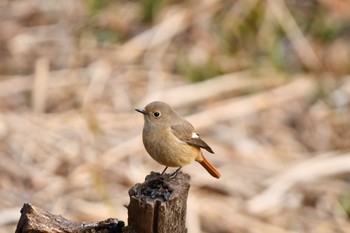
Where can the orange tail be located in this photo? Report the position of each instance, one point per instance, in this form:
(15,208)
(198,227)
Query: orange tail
(210,168)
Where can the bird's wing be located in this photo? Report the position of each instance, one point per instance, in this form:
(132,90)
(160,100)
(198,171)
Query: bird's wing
(185,132)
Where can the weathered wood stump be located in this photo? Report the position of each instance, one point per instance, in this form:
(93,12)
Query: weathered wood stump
(156,206)
(159,204)
(36,220)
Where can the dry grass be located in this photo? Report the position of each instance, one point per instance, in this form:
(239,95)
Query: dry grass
(262,82)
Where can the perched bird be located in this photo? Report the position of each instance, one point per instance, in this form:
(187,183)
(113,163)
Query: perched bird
(171,140)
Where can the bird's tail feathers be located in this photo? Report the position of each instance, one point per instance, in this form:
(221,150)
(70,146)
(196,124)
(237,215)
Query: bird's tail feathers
(210,168)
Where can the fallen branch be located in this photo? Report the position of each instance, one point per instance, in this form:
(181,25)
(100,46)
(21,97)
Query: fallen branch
(313,169)
(34,219)
(217,87)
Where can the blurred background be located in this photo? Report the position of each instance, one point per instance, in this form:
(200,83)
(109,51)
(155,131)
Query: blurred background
(266,84)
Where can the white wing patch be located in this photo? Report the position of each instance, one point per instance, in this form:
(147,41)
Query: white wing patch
(195,135)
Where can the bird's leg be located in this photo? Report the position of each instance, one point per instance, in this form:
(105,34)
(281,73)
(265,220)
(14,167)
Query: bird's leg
(164,170)
(175,173)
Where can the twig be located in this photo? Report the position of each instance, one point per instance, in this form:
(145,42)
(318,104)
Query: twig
(233,218)
(40,85)
(12,85)
(302,47)
(310,170)
(302,88)
(213,88)
(175,23)
(136,46)
(100,73)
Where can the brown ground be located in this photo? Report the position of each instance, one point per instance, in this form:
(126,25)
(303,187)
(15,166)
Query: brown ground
(265,83)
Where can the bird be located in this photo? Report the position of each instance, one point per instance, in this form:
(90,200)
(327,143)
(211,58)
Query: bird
(171,140)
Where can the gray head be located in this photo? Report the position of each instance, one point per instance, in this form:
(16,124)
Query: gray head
(158,113)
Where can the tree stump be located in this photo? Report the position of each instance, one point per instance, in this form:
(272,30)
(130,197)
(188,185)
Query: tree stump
(36,220)
(156,206)
(159,204)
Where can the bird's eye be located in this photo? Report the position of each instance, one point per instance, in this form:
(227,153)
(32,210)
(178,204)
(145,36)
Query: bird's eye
(156,114)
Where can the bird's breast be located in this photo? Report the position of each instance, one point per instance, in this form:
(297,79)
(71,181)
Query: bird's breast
(166,148)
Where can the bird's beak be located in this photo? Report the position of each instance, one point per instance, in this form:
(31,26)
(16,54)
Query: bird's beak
(140,110)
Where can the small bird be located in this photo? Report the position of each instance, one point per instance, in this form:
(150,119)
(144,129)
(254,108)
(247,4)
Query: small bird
(171,140)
